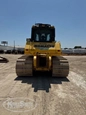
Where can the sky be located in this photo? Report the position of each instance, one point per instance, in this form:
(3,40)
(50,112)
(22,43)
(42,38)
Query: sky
(68,17)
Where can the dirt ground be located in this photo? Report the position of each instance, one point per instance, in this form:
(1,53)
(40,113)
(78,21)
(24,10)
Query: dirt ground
(43,95)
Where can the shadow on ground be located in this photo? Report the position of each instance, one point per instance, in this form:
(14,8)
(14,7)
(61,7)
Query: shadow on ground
(42,81)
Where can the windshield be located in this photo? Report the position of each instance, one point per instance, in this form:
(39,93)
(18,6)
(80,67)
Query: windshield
(43,35)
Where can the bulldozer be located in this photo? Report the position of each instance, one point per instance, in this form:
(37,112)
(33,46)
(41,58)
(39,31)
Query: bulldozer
(42,53)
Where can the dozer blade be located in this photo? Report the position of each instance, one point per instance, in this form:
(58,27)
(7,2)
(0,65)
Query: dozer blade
(3,60)
(60,67)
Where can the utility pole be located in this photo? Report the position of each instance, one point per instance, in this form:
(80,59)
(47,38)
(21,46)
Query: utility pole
(14,45)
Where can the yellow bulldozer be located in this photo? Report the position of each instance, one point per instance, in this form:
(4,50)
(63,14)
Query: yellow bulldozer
(42,53)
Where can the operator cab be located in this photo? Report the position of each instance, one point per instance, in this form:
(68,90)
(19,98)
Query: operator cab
(43,33)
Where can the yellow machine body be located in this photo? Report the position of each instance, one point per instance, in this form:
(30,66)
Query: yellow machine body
(49,50)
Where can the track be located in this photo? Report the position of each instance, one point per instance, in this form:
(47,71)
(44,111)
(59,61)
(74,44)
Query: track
(24,66)
(60,67)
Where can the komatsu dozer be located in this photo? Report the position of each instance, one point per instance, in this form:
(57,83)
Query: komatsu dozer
(42,53)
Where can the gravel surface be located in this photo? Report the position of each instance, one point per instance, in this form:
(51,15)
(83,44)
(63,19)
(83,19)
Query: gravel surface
(43,95)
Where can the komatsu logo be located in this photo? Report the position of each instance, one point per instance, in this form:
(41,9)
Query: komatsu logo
(44,45)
